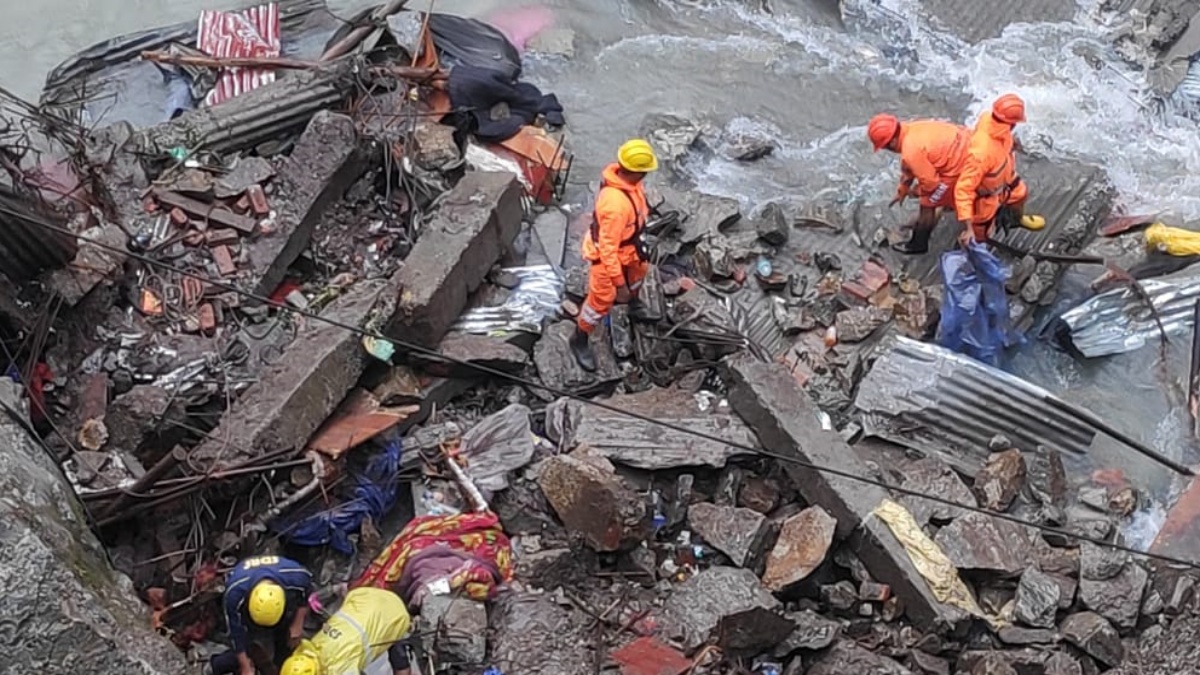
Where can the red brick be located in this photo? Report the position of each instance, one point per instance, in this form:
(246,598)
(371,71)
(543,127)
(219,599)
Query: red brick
(224,259)
(179,217)
(221,237)
(208,319)
(258,200)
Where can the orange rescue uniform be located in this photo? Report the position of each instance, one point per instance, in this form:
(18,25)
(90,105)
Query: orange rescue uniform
(621,212)
(932,152)
(989,177)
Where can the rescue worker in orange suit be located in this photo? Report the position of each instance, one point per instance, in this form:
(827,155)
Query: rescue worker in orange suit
(617,267)
(989,184)
(932,154)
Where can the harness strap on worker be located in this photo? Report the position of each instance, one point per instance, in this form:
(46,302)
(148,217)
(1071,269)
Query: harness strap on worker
(1003,188)
(638,217)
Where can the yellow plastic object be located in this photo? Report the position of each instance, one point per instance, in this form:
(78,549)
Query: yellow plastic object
(1172,240)
(267,603)
(930,561)
(637,156)
(1033,222)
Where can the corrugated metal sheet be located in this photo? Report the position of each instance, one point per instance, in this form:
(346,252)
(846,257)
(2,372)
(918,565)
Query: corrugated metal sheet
(27,250)
(1119,321)
(251,33)
(931,399)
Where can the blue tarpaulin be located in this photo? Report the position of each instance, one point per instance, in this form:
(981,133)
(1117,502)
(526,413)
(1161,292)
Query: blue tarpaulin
(975,318)
(374,496)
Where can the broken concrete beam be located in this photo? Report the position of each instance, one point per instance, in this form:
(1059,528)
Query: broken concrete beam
(475,223)
(767,397)
(739,533)
(293,397)
(76,614)
(270,112)
(802,545)
(92,264)
(696,607)
(327,160)
(593,502)
(454,629)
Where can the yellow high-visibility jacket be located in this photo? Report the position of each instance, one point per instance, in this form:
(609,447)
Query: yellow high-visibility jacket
(369,622)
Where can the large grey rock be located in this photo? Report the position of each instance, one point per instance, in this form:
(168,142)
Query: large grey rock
(1118,599)
(455,629)
(1094,635)
(706,214)
(594,503)
(697,607)
(1037,599)
(63,610)
(812,632)
(773,225)
(767,397)
(557,367)
(803,543)
(474,224)
(846,658)
(738,533)
(532,635)
(929,476)
(979,542)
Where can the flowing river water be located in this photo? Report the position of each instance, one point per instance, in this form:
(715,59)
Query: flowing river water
(798,72)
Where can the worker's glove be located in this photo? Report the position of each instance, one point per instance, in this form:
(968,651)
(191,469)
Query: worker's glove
(902,193)
(1033,222)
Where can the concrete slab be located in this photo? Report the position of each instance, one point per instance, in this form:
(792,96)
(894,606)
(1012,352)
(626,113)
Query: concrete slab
(293,397)
(475,223)
(327,159)
(768,398)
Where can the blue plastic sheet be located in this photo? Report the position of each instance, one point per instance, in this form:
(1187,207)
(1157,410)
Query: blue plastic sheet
(975,318)
(374,495)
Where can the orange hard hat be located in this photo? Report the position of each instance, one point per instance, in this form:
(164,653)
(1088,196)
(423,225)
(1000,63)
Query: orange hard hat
(882,129)
(1009,109)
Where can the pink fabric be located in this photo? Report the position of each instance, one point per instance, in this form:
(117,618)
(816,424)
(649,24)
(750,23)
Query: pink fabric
(520,24)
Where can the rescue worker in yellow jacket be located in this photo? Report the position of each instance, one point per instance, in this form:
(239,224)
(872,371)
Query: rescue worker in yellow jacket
(617,268)
(989,181)
(370,623)
(932,153)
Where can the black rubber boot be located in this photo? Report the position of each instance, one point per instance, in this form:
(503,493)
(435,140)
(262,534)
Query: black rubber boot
(583,350)
(918,244)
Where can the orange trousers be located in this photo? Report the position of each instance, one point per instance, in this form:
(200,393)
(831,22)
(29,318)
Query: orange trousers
(602,292)
(986,209)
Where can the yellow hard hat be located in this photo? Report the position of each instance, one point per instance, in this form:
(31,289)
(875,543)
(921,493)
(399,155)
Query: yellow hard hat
(267,601)
(303,661)
(637,156)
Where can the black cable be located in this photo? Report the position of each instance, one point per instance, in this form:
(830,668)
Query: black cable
(621,411)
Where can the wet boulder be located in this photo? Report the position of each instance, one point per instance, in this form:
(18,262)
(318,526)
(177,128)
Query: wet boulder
(803,543)
(454,628)
(773,225)
(68,611)
(812,632)
(1095,636)
(1000,480)
(1063,664)
(1037,599)
(738,533)
(978,542)
(720,597)
(534,636)
(846,657)
(707,215)
(592,501)
(1119,598)
(929,476)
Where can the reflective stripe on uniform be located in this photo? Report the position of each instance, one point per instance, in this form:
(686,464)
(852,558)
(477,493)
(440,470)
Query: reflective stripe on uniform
(590,315)
(362,634)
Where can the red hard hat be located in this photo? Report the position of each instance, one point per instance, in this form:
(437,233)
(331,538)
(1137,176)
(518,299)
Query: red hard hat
(1009,109)
(882,129)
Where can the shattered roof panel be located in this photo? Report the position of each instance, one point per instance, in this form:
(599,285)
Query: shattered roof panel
(1119,321)
(931,399)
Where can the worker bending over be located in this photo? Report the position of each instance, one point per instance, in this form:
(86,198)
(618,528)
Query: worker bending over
(272,592)
(932,153)
(371,621)
(612,245)
(989,182)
